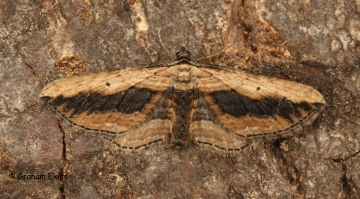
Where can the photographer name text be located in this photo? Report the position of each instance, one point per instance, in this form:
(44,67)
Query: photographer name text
(49,176)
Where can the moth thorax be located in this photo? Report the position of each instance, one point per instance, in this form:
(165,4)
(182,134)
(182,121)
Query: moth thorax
(183,73)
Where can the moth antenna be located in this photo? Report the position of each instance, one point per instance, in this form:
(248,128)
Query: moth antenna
(162,43)
(216,54)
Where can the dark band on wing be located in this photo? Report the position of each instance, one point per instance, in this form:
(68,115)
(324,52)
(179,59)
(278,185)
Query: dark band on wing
(202,108)
(161,108)
(128,102)
(237,105)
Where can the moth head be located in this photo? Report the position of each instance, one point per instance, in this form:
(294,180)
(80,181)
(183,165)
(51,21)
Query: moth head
(183,55)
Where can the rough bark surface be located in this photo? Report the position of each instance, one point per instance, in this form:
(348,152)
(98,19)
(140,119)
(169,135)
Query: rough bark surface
(313,42)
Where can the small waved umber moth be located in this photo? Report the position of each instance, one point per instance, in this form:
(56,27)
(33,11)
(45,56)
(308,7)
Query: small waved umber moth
(184,102)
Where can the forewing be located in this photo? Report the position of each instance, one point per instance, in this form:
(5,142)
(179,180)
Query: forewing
(248,105)
(116,102)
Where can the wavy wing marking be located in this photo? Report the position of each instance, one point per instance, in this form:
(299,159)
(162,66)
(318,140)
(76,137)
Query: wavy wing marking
(244,105)
(125,102)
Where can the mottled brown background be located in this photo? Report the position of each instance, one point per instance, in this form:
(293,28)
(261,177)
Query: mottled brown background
(313,42)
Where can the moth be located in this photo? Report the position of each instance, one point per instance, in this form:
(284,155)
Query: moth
(184,102)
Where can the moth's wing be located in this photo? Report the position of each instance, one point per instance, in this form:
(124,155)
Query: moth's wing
(206,128)
(248,105)
(129,103)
